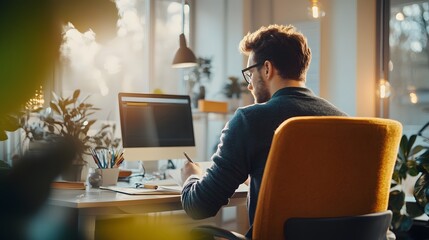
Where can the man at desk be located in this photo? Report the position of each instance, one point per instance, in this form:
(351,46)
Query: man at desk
(278,61)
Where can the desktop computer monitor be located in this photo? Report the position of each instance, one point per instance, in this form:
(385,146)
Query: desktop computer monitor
(156,126)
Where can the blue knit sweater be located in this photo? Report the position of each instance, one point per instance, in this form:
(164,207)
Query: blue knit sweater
(243,150)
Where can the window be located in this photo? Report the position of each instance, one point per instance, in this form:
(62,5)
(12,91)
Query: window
(409,63)
(111,47)
(137,58)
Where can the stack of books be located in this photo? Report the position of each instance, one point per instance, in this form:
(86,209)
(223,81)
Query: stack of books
(68,185)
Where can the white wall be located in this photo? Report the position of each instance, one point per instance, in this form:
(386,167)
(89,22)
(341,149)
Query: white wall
(347,46)
(311,29)
(343,45)
(338,54)
(217,33)
(366,58)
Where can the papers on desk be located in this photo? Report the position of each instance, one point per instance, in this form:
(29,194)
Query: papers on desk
(161,190)
(175,174)
(169,186)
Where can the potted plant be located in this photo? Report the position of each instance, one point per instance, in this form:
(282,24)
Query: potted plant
(233,91)
(197,78)
(68,117)
(105,137)
(410,162)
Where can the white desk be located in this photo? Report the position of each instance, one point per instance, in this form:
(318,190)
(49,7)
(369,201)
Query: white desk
(87,205)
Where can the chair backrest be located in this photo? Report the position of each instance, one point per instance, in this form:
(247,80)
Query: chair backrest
(326,167)
(372,226)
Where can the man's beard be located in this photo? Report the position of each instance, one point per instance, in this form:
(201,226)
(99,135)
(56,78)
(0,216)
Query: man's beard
(260,91)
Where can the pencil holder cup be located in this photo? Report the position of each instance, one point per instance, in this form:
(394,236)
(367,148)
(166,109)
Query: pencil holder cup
(109,176)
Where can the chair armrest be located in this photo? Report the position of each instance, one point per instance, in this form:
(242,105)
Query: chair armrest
(208,232)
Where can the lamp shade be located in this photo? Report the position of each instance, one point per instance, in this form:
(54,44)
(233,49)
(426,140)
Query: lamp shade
(184,56)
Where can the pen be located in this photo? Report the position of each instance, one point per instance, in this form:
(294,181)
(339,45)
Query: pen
(147,186)
(187,157)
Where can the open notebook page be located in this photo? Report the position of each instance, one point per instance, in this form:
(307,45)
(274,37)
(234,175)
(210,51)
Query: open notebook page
(176,175)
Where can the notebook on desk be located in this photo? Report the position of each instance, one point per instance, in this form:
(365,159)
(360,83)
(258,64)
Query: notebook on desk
(175,174)
(68,185)
(160,190)
(171,186)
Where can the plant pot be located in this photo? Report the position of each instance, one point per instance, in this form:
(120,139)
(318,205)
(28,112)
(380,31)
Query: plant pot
(73,173)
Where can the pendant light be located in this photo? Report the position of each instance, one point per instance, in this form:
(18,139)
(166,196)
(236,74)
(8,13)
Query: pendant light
(315,10)
(184,56)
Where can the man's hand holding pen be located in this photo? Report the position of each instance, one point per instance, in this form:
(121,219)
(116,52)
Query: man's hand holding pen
(190,168)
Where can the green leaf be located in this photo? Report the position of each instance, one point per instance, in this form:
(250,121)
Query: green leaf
(62,106)
(55,107)
(413,209)
(89,114)
(104,127)
(425,166)
(420,187)
(56,98)
(9,123)
(396,178)
(416,150)
(69,101)
(403,171)
(411,143)
(423,162)
(76,94)
(3,135)
(413,171)
(91,122)
(425,154)
(396,200)
(402,153)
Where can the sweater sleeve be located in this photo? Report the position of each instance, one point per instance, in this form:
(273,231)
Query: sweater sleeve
(202,198)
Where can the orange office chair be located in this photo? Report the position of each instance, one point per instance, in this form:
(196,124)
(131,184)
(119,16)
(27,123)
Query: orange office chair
(325,168)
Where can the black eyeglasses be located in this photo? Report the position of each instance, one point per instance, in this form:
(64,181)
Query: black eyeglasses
(247,74)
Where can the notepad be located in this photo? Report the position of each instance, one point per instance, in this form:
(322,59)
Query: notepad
(175,174)
(161,190)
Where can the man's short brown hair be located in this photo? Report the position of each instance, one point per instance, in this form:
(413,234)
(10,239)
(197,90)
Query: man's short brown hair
(283,46)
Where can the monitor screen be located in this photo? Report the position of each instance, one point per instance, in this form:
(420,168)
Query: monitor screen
(156,126)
